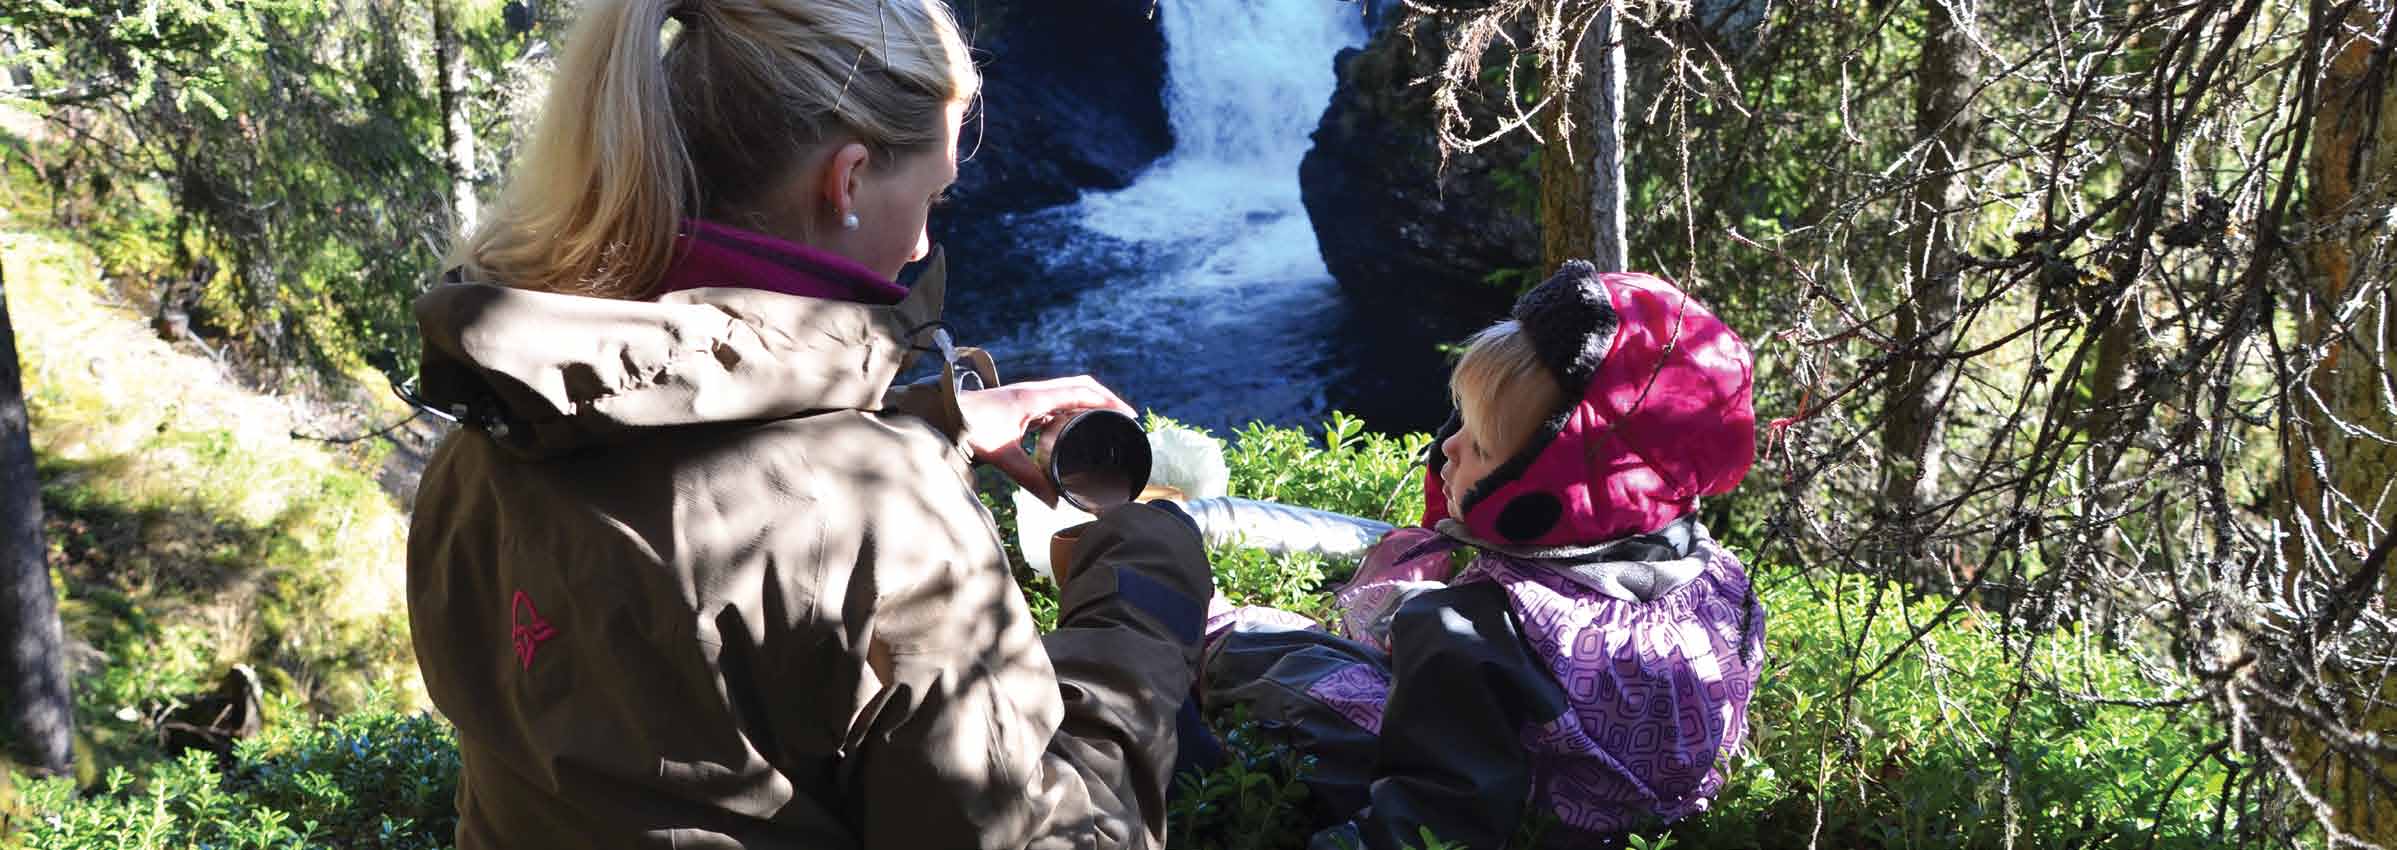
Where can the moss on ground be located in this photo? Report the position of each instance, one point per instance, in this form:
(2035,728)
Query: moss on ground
(188,529)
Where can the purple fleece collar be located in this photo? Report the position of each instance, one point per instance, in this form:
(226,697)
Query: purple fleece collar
(710,254)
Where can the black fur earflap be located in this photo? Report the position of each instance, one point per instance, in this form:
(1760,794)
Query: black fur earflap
(1571,323)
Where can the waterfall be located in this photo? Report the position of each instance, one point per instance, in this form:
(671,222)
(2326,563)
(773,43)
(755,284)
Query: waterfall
(1206,295)
(1246,81)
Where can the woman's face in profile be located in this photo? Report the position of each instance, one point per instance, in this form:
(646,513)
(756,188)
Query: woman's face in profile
(892,203)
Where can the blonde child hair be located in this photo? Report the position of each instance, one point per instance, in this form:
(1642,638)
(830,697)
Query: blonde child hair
(1501,388)
(637,134)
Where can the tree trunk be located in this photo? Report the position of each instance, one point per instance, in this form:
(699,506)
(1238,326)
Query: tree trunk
(1581,179)
(2109,419)
(2349,196)
(2118,339)
(2119,332)
(1945,121)
(33,678)
(2353,379)
(457,133)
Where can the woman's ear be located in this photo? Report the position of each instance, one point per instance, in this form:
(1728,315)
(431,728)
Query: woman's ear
(842,176)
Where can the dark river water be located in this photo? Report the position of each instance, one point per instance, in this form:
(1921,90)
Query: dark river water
(1049,297)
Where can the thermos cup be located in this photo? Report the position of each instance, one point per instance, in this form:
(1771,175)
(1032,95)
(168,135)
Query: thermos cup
(1097,459)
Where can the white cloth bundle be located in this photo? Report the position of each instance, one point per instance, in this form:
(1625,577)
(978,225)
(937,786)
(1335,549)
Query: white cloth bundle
(1279,528)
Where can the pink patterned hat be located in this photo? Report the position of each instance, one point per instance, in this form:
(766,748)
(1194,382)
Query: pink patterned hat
(1660,415)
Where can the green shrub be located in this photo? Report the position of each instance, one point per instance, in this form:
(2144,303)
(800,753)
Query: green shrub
(1352,471)
(1255,801)
(375,778)
(1964,738)
(1969,738)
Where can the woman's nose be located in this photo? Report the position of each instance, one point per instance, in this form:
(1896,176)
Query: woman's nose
(1448,447)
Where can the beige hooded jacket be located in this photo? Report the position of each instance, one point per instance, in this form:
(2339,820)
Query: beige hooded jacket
(687,582)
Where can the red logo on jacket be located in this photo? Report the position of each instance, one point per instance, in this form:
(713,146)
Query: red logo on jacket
(531,631)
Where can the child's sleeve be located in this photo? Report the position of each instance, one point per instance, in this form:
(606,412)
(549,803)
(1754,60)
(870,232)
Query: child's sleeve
(1450,758)
(1404,563)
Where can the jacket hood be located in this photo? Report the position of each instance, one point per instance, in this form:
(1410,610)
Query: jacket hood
(546,373)
(1658,413)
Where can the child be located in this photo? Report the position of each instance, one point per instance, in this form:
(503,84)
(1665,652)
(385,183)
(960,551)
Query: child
(1596,659)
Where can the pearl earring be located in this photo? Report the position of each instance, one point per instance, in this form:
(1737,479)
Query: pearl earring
(849,221)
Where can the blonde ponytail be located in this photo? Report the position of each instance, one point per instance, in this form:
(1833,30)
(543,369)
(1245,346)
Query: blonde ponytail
(603,183)
(636,136)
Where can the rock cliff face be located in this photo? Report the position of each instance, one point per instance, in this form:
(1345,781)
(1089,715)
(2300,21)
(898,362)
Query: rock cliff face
(1388,220)
(1072,99)
(1391,222)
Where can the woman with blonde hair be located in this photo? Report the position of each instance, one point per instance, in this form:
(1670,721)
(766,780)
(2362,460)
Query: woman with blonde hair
(696,574)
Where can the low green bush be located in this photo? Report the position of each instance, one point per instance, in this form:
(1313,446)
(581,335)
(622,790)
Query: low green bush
(1965,740)
(374,778)
(1347,469)
(1970,737)
(1255,801)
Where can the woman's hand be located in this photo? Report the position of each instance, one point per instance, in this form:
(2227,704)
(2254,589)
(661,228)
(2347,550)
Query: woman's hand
(996,419)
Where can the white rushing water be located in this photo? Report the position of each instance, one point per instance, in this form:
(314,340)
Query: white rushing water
(1246,81)
(1230,272)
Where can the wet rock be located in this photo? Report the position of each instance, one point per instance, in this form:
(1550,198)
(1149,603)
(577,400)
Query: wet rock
(1073,98)
(1393,221)
(1389,220)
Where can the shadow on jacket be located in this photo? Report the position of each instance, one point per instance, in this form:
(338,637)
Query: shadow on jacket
(699,577)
